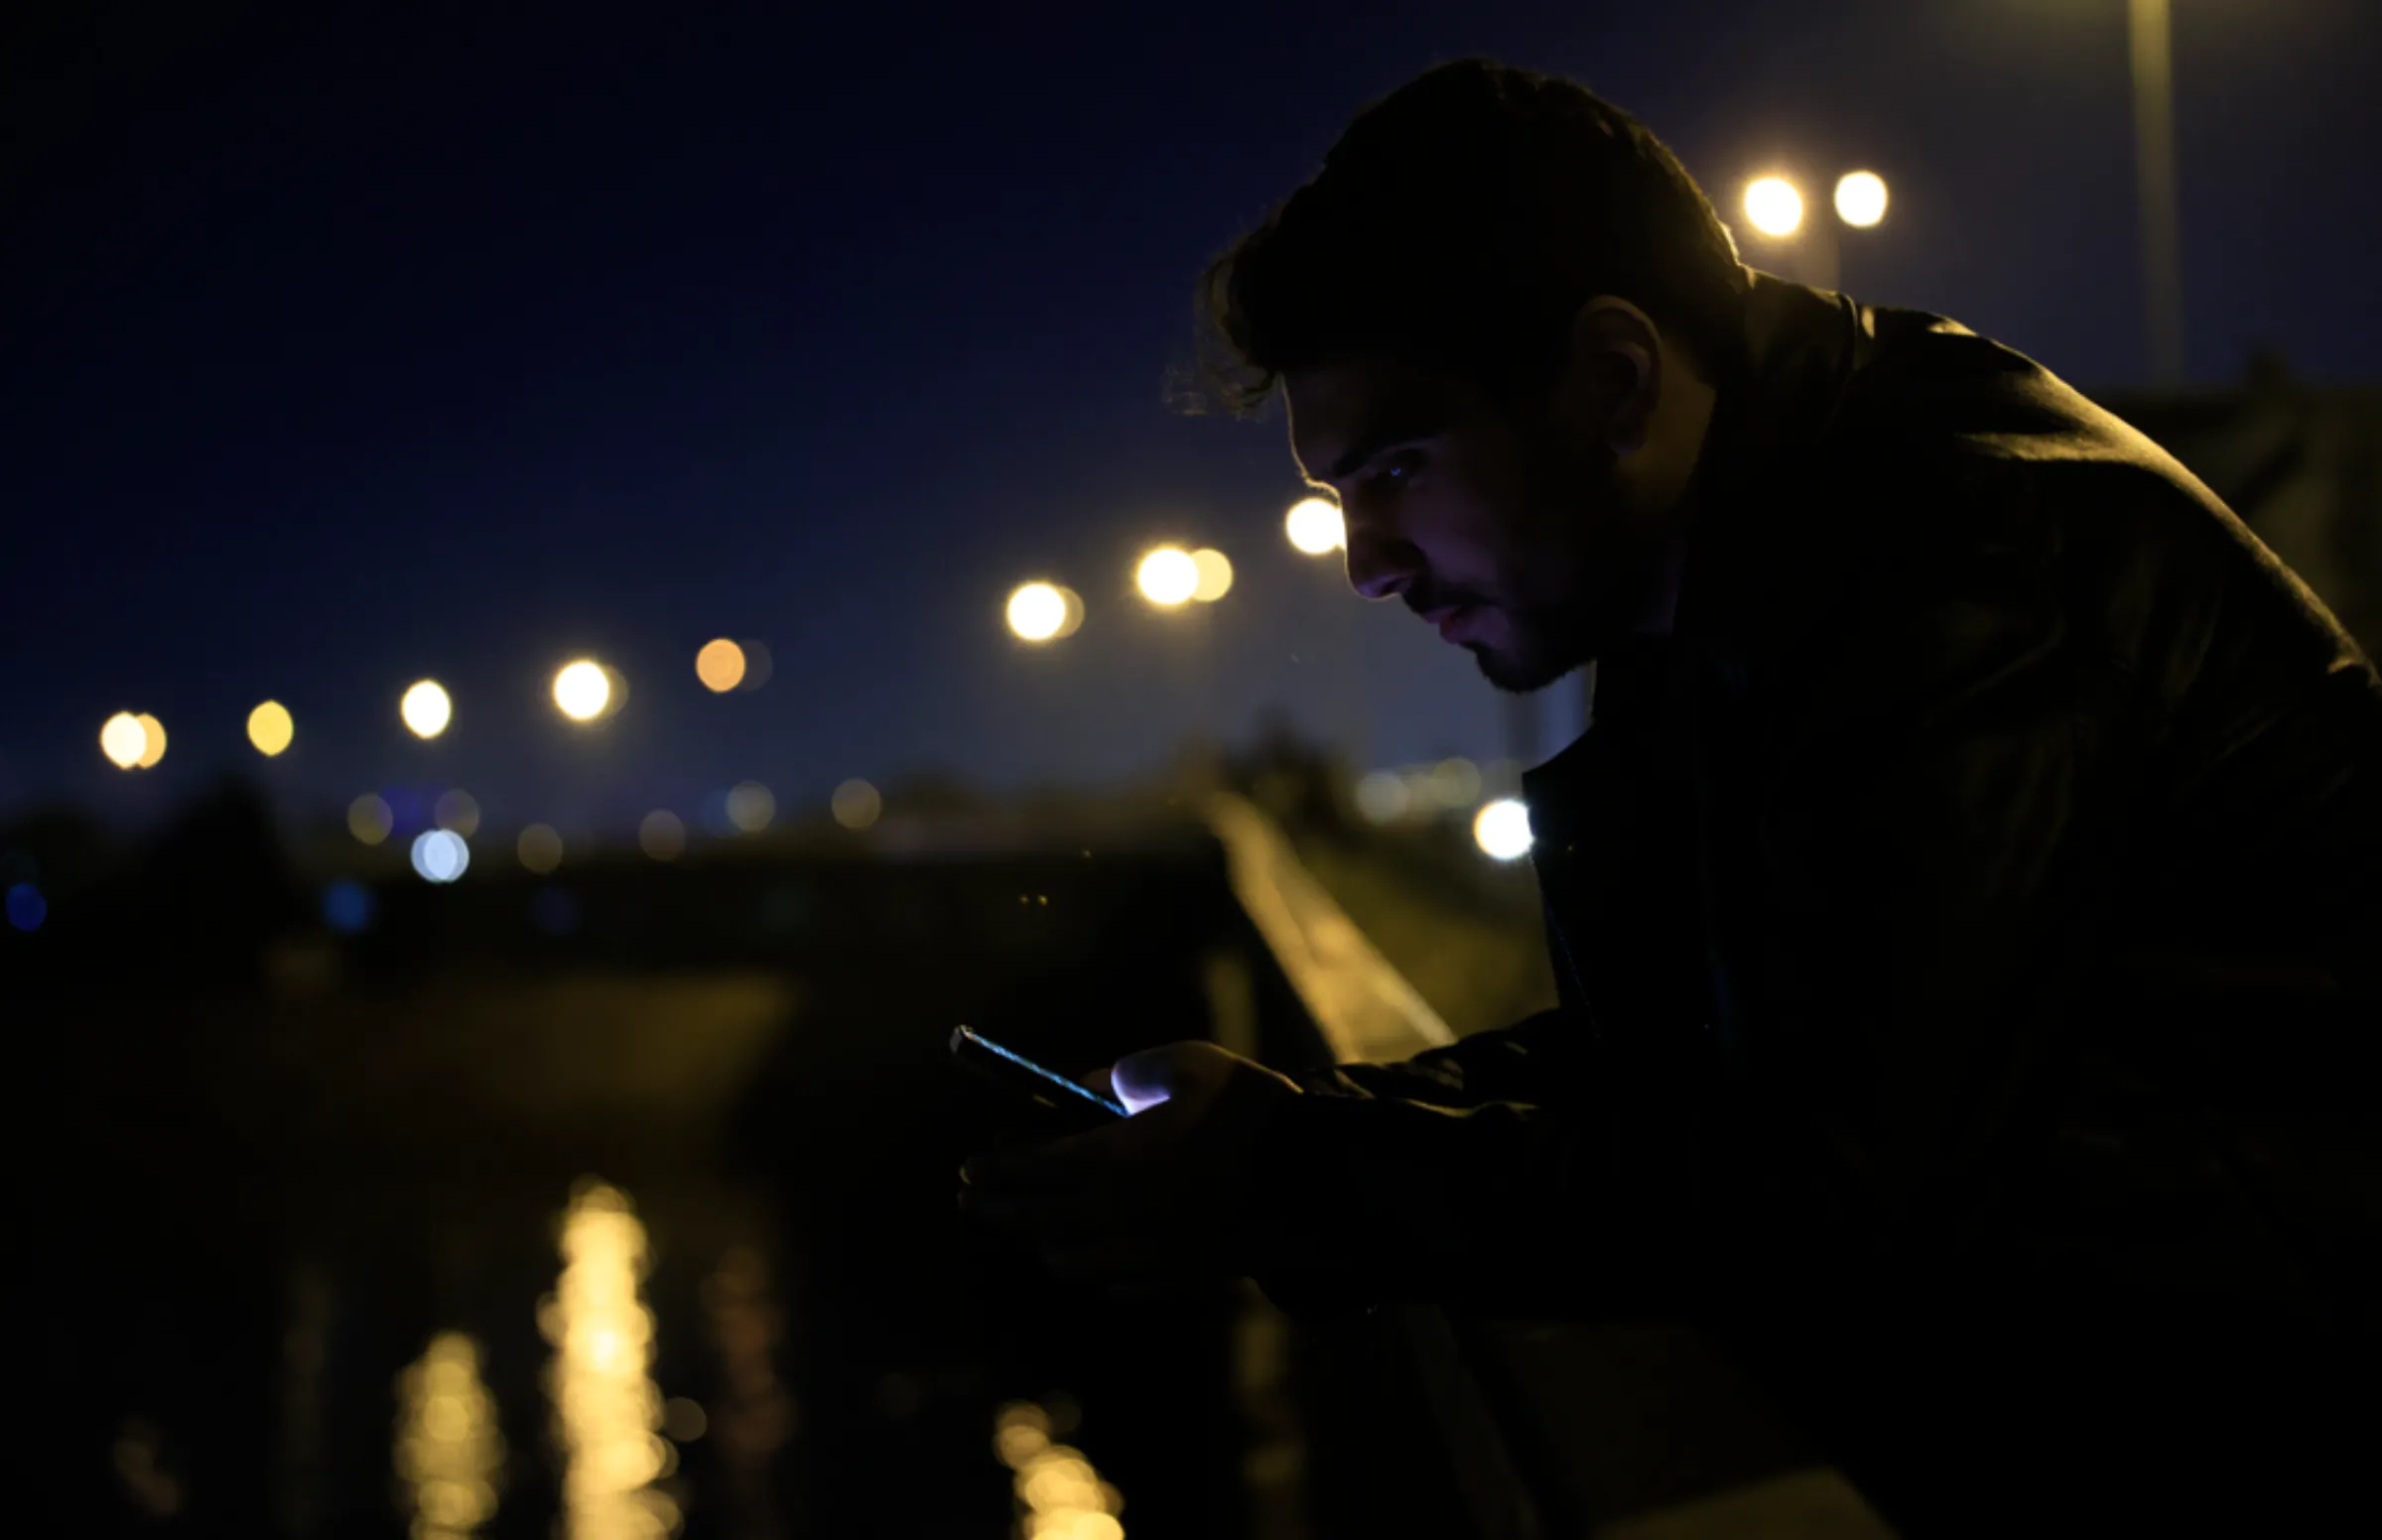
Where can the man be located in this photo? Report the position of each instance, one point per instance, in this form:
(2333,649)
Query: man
(1968,903)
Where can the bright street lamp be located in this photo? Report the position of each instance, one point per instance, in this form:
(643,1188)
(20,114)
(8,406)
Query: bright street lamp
(425,709)
(581,690)
(1774,206)
(1044,612)
(1860,199)
(1167,577)
(1315,526)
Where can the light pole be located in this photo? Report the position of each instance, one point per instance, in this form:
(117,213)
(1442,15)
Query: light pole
(2152,58)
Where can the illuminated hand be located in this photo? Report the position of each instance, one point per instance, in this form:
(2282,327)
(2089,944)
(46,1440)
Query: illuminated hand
(1155,1200)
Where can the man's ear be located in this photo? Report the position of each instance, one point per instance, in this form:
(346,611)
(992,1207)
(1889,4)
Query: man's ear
(1612,377)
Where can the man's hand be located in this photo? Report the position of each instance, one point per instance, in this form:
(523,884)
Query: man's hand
(1155,1200)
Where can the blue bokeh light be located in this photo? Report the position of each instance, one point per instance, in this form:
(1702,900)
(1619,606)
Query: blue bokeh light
(441,856)
(27,908)
(347,907)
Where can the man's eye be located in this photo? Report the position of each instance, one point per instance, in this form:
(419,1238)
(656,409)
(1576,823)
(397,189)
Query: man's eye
(1393,472)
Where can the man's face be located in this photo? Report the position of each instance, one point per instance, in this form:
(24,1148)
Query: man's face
(1507,529)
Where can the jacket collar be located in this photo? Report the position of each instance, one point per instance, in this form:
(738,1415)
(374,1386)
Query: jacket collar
(1770,547)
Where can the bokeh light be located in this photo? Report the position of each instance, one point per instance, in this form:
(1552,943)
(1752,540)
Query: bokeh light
(1501,829)
(582,689)
(449,1451)
(720,664)
(1060,1496)
(458,810)
(1860,199)
(270,729)
(540,849)
(684,1420)
(1167,577)
(1315,526)
(1214,575)
(608,1411)
(1382,796)
(27,908)
(855,803)
(758,665)
(153,741)
(1456,783)
(425,708)
(1037,613)
(370,818)
(662,836)
(1774,206)
(124,741)
(441,854)
(347,906)
(750,807)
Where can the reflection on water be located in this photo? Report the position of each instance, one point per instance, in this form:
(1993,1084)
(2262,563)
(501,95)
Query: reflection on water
(1059,1496)
(449,1452)
(754,1417)
(607,1409)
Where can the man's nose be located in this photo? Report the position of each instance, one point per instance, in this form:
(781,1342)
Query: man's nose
(1379,565)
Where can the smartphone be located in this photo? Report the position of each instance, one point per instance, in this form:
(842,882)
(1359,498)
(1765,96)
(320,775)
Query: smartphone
(1052,1093)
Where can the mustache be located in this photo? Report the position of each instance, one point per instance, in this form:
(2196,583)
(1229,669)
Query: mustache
(1425,598)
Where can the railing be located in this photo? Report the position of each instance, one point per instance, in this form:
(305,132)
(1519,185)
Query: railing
(1623,1431)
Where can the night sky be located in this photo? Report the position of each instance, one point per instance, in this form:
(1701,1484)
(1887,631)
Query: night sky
(344,347)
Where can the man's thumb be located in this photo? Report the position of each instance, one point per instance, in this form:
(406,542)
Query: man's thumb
(1154,1074)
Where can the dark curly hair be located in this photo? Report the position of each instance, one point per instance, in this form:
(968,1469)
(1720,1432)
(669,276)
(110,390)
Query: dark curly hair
(1459,223)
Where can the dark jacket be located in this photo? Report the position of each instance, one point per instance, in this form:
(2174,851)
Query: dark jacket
(1976,904)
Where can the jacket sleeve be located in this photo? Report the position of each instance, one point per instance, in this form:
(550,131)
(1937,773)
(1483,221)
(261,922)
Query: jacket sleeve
(1937,842)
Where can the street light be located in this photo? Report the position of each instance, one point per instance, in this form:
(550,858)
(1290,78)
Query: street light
(1774,206)
(1044,612)
(582,689)
(425,709)
(1315,526)
(1860,199)
(1167,577)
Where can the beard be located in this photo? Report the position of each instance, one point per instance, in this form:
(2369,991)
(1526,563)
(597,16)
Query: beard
(1547,643)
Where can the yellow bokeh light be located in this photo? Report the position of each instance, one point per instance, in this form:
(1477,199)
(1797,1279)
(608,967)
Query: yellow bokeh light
(270,729)
(153,741)
(750,807)
(1774,206)
(449,1451)
(425,709)
(1214,575)
(540,849)
(124,741)
(1860,199)
(608,1411)
(857,804)
(662,836)
(1315,526)
(369,819)
(458,812)
(1167,577)
(720,664)
(1037,613)
(582,689)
